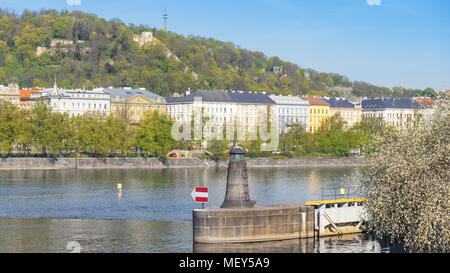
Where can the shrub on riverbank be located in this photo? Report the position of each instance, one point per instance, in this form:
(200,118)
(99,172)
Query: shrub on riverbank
(408,184)
(333,139)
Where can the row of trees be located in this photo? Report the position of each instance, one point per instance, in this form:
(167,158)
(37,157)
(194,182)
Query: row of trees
(44,132)
(364,89)
(52,134)
(333,139)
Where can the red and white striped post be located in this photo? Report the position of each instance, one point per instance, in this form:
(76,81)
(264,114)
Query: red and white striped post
(200,195)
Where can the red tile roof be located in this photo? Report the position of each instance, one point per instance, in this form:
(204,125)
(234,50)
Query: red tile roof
(26,93)
(315,101)
(425,102)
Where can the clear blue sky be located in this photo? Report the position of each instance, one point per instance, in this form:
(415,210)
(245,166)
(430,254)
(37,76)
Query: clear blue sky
(384,42)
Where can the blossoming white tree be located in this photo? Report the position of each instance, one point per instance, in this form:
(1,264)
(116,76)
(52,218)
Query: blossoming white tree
(408,184)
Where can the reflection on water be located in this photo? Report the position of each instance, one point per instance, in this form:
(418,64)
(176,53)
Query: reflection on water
(135,236)
(348,243)
(50,235)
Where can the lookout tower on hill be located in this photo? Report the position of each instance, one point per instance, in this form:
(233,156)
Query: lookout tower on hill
(165,16)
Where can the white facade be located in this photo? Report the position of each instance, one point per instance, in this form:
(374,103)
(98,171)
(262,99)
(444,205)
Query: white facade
(217,113)
(213,115)
(75,102)
(290,111)
(244,111)
(10,93)
(399,113)
(396,117)
(249,119)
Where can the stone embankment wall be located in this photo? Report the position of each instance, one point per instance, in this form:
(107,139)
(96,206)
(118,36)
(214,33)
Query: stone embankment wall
(129,163)
(307,162)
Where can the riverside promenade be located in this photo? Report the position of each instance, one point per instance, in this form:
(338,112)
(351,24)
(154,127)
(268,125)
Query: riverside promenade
(158,163)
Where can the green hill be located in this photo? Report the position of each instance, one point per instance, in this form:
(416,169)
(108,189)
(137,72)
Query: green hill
(86,51)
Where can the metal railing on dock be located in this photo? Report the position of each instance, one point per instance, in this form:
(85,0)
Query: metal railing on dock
(338,196)
(340,193)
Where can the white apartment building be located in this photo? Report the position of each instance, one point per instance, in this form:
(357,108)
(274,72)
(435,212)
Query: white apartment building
(290,111)
(10,93)
(214,105)
(254,111)
(395,112)
(74,102)
(242,110)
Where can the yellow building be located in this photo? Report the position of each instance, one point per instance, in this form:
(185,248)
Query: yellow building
(319,110)
(133,104)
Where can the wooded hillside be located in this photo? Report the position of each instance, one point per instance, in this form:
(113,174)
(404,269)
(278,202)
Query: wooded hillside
(87,51)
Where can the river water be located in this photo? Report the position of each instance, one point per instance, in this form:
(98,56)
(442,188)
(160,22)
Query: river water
(53,210)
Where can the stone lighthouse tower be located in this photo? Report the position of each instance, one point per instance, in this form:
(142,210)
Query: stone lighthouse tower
(237,194)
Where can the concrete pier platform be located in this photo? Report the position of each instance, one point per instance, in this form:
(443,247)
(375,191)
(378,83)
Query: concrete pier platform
(262,222)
